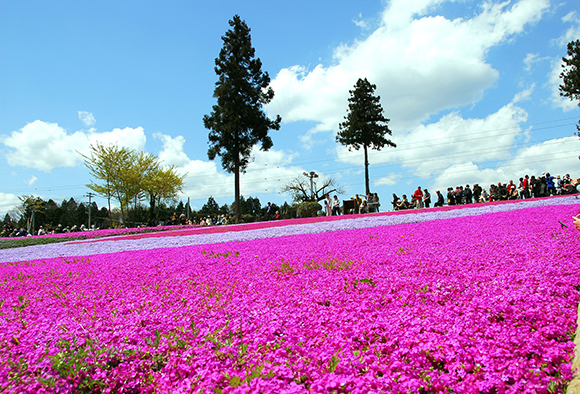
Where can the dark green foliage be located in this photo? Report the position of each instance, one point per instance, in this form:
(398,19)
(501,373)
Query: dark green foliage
(288,211)
(250,206)
(571,74)
(365,125)
(137,216)
(308,209)
(248,218)
(237,122)
(81,215)
(211,208)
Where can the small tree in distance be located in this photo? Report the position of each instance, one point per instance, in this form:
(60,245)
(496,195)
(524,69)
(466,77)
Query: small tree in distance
(302,190)
(365,125)
(237,121)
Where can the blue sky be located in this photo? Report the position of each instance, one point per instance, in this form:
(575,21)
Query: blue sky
(471,89)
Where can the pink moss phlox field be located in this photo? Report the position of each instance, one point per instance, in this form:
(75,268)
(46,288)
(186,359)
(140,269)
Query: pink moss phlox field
(250,231)
(150,232)
(475,304)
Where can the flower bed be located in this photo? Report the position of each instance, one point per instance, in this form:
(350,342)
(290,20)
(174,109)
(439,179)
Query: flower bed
(473,304)
(394,216)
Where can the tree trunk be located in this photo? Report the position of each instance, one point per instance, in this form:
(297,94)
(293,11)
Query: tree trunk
(152,210)
(237,188)
(367,186)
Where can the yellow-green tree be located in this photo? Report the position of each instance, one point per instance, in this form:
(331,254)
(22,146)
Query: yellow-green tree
(128,176)
(163,183)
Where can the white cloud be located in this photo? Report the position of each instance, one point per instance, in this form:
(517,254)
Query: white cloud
(31,181)
(265,174)
(132,138)
(556,156)
(455,151)
(450,141)
(524,94)
(8,202)
(87,118)
(389,180)
(360,22)
(555,81)
(421,65)
(44,146)
(573,32)
(530,59)
(172,153)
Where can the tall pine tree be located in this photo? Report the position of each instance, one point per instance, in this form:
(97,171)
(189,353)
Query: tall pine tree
(237,121)
(571,74)
(365,125)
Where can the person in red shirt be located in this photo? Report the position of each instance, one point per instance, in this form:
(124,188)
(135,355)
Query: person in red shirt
(418,197)
(511,186)
(526,187)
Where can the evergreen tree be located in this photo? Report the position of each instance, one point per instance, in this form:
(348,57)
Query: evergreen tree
(226,209)
(237,121)
(81,215)
(251,206)
(53,213)
(365,125)
(211,208)
(571,74)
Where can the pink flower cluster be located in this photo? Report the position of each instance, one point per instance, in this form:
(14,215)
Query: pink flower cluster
(476,304)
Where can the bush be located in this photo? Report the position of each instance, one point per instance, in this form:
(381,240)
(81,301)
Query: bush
(247,218)
(308,209)
(289,211)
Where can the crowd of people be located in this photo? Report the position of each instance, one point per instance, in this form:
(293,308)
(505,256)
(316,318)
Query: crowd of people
(357,204)
(527,187)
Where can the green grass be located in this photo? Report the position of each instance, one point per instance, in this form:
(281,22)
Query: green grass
(9,243)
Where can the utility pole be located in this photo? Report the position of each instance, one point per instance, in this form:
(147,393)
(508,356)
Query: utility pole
(90,195)
(311,175)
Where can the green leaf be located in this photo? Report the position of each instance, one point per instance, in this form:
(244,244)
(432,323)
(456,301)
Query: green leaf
(235,381)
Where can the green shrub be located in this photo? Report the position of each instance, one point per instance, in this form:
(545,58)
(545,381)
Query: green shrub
(248,218)
(308,209)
